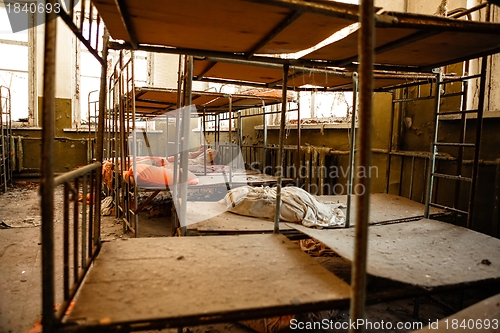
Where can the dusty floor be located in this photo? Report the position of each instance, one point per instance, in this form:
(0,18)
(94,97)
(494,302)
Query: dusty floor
(20,271)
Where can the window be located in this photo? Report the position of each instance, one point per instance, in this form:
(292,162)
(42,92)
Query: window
(17,68)
(88,74)
(329,107)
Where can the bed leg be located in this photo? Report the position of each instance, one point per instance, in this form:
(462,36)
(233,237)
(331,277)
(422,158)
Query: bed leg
(416,307)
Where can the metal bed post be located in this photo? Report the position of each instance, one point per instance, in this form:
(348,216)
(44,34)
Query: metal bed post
(100,140)
(477,150)
(389,148)
(204,128)
(180,102)
(264,141)
(299,150)
(240,134)
(366,57)
(116,145)
(281,149)
(351,151)
(47,171)
(184,145)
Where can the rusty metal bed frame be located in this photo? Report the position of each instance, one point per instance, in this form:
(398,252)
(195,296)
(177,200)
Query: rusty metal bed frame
(127,103)
(79,255)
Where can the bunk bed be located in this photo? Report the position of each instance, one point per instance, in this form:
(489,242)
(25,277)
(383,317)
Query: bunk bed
(175,273)
(213,168)
(5,139)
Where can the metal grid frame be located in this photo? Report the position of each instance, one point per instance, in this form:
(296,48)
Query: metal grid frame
(84,244)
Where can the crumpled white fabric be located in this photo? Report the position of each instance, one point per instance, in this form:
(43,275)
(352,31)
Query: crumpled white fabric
(297,206)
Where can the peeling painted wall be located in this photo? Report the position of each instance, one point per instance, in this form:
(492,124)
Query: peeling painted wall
(70,148)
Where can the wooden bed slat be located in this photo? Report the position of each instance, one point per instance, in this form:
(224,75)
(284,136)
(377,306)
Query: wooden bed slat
(168,279)
(424,253)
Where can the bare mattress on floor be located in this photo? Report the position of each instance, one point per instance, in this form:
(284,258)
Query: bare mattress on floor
(183,280)
(424,253)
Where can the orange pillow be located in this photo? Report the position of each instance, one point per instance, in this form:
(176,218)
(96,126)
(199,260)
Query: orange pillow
(153,176)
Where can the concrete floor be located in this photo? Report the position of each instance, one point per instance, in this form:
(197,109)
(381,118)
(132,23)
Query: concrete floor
(20,270)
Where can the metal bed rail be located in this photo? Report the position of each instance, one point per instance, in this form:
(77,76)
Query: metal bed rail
(82,251)
(81,228)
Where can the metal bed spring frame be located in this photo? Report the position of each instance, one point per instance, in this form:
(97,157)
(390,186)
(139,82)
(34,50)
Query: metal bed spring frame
(50,319)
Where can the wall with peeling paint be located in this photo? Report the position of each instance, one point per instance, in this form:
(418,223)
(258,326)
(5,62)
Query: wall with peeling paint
(70,147)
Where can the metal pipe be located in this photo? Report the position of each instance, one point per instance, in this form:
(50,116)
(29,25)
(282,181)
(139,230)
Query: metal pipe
(66,243)
(430,171)
(351,150)
(366,59)
(3,162)
(281,150)
(47,170)
(321,176)
(75,190)
(449,208)
(20,154)
(84,222)
(401,178)
(223,56)
(240,134)
(180,103)
(389,148)
(70,175)
(206,148)
(411,177)
(441,175)
(131,85)
(90,244)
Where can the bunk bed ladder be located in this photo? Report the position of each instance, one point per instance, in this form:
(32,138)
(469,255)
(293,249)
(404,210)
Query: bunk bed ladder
(434,172)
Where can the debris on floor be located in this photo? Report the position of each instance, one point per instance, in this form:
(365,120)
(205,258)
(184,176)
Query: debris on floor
(107,206)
